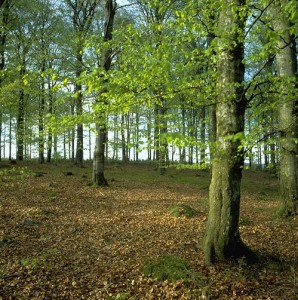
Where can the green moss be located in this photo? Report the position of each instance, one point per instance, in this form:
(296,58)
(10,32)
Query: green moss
(183,210)
(171,268)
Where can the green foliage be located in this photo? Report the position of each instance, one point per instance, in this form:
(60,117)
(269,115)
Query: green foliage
(183,210)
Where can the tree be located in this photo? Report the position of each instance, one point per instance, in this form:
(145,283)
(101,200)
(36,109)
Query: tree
(286,59)
(222,238)
(83,13)
(5,6)
(101,129)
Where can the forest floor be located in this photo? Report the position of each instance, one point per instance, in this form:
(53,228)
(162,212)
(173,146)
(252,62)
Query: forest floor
(62,238)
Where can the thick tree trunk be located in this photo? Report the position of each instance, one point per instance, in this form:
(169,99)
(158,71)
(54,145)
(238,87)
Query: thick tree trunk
(287,111)
(222,239)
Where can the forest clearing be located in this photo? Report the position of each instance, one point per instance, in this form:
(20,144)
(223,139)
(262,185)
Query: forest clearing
(61,237)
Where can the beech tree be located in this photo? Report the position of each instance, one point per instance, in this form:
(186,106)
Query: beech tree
(83,13)
(222,239)
(286,59)
(5,6)
(101,128)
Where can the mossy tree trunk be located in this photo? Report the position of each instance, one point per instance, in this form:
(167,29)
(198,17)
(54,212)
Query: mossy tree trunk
(287,110)
(222,239)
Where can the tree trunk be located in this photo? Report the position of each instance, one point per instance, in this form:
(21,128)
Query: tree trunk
(99,156)
(79,107)
(72,136)
(123,139)
(41,122)
(10,138)
(163,145)
(156,132)
(20,121)
(287,111)
(149,139)
(101,133)
(222,239)
(203,137)
(3,35)
(1,129)
(50,134)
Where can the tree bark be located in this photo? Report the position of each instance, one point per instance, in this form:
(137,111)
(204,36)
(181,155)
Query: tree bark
(41,139)
(21,119)
(287,111)
(222,238)
(5,7)
(79,106)
(50,134)
(163,145)
(101,133)
(99,156)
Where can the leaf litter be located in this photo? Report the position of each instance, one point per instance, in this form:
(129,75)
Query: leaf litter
(61,238)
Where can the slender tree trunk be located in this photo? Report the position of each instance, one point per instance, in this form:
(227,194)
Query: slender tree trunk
(41,123)
(272,153)
(212,108)
(50,134)
(3,36)
(72,137)
(83,13)
(1,129)
(123,139)
(203,137)
(79,107)
(163,145)
(182,154)
(156,132)
(116,138)
(128,148)
(191,135)
(20,121)
(265,152)
(222,239)
(101,133)
(10,138)
(99,156)
(287,111)
(137,135)
(149,139)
